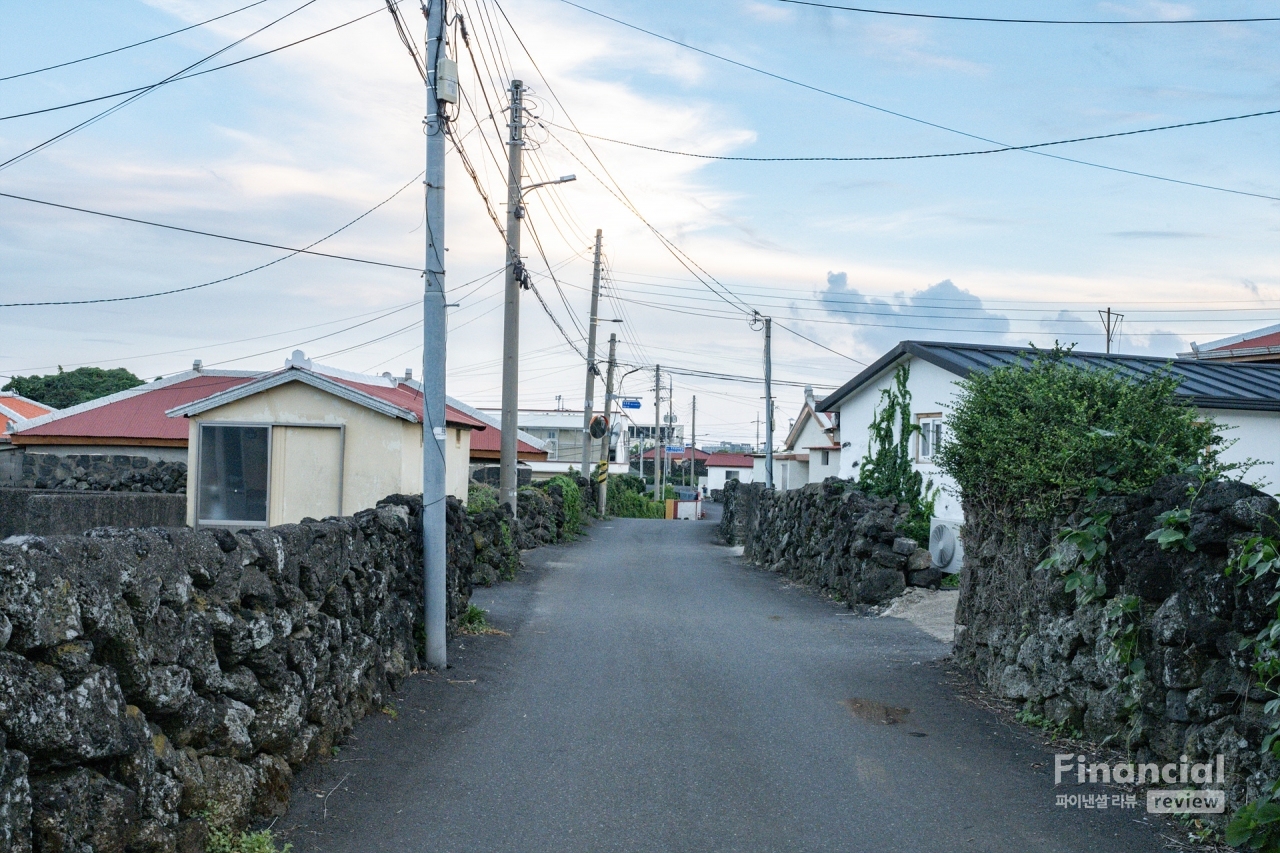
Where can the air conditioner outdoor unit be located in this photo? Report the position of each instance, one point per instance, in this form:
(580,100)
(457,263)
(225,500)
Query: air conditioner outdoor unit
(945,546)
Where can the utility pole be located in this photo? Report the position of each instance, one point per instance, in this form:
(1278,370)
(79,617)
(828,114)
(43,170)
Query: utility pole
(434,331)
(757,444)
(591,363)
(603,488)
(768,403)
(693,466)
(507,479)
(1110,324)
(671,426)
(657,431)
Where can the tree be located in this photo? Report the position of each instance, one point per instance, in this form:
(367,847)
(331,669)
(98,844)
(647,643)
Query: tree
(63,389)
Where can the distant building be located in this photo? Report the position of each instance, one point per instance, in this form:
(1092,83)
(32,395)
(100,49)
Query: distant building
(1261,345)
(723,467)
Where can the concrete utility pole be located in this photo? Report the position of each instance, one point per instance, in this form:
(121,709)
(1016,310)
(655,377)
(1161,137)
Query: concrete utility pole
(591,363)
(507,476)
(434,331)
(693,466)
(657,432)
(768,403)
(603,488)
(671,424)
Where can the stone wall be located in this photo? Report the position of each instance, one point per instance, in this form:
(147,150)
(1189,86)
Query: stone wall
(102,473)
(827,535)
(155,682)
(1024,637)
(50,512)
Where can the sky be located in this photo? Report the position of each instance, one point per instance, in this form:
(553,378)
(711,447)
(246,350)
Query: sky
(848,257)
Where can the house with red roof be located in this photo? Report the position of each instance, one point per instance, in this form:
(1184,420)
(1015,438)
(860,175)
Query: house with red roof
(16,409)
(1260,345)
(269,448)
(723,467)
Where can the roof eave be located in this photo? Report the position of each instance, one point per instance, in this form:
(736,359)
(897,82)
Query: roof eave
(292,374)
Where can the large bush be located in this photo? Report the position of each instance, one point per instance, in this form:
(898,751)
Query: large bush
(572,503)
(626,498)
(1035,437)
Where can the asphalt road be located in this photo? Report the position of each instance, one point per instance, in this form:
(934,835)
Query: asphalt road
(655,694)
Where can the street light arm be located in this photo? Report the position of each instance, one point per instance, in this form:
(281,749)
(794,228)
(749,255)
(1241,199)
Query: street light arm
(561,180)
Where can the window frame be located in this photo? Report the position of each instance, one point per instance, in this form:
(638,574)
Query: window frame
(199,472)
(931,418)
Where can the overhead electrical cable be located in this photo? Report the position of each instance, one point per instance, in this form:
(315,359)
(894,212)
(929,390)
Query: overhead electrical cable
(115,107)
(925,122)
(194,74)
(135,44)
(1001,150)
(1093,22)
(292,250)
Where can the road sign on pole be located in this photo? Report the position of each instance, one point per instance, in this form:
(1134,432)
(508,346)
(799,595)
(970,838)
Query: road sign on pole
(631,404)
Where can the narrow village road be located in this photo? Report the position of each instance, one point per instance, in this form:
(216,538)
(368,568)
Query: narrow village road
(655,694)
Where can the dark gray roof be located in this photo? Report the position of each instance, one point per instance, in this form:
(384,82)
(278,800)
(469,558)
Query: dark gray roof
(1209,385)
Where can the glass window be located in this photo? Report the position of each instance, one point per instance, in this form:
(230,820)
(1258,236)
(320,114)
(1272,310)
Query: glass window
(930,437)
(731,475)
(826,457)
(233,473)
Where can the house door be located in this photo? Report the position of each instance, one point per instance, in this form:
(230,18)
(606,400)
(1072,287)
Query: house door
(306,472)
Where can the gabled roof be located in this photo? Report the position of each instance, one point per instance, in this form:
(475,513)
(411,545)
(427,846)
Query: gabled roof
(1208,385)
(16,409)
(135,415)
(730,460)
(392,399)
(1258,344)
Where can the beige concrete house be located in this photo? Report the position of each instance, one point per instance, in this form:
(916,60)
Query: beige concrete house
(302,443)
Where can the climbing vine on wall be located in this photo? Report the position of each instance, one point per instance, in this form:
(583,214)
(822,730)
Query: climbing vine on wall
(888,470)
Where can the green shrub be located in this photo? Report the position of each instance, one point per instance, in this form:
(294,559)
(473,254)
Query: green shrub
(1036,437)
(571,497)
(481,497)
(221,841)
(626,498)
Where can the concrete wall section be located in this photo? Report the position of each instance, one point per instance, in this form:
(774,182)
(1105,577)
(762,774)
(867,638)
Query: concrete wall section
(1252,435)
(50,513)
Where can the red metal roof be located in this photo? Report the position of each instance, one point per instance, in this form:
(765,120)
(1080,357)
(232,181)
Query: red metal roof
(407,397)
(1271,340)
(730,460)
(139,416)
(491,440)
(24,407)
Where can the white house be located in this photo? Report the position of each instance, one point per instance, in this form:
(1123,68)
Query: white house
(1245,398)
(811,452)
(559,433)
(723,467)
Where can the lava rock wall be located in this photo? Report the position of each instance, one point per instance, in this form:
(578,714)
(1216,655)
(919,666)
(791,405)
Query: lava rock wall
(156,682)
(1021,635)
(827,535)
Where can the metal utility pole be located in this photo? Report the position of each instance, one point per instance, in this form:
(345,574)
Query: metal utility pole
(511,317)
(603,487)
(768,403)
(591,363)
(1111,324)
(657,431)
(434,331)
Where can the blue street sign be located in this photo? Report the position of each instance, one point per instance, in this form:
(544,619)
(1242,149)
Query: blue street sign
(675,449)
(630,404)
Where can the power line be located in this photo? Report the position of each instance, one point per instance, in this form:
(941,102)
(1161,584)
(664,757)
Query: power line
(196,231)
(109,110)
(1026,20)
(925,122)
(1001,150)
(194,74)
(135,44)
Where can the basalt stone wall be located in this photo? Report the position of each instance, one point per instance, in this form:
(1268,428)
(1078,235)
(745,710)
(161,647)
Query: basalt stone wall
(827,535)
(154,682)
(43,512)
(1021,635)
(102,473)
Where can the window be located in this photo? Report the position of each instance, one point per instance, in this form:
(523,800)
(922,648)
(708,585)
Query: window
(826,457)
(731,475)
(233,474)
(930,438)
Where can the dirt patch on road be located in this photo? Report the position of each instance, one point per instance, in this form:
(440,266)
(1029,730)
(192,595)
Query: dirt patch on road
(932,611)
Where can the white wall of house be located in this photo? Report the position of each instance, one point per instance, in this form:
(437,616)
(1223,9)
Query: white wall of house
(372,456)
(1256,435)
(932,391)
(716,476)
